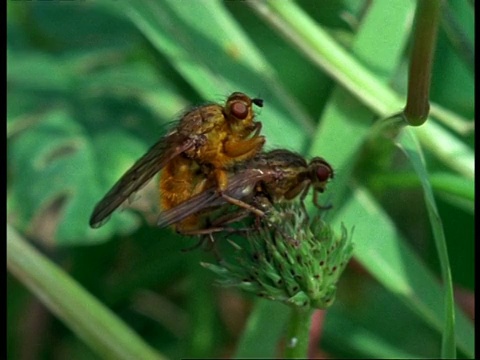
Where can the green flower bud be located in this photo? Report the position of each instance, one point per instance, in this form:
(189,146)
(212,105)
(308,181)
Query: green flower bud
(289,258)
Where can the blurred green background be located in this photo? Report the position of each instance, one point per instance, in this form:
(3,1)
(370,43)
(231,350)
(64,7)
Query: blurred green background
(92,84)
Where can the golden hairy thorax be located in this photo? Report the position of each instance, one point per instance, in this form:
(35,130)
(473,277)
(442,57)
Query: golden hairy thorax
(227,135)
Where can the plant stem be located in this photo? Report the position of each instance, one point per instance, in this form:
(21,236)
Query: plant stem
(424,41)
(298,333)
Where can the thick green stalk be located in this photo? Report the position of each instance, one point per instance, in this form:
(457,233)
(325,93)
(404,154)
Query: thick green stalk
(298,333)
(424,41)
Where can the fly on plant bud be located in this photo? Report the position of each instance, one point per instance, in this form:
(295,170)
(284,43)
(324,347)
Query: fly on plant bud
(267,179)
(196,155)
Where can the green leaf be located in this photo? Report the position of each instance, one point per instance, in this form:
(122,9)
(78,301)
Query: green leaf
(410,146)
(106,334)
(60,177)
(263,330)
(381,250)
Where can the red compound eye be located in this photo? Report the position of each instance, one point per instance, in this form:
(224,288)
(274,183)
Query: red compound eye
(324,173)
(239,110)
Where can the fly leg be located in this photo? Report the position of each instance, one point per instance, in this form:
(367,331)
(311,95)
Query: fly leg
(206,235)
(209,240)
(233,218)
(222,181)
(243,149)
(219,225)
(319,206)
(243,205)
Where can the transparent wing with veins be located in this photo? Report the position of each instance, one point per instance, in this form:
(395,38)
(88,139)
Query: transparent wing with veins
(240,186)
(140,173)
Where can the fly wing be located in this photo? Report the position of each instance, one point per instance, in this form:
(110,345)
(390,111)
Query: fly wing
(204,200)
(240,186)
(139,174)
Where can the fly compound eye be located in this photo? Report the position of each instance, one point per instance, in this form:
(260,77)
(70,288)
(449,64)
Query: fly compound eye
(239,109)
(322,169)
(324,173)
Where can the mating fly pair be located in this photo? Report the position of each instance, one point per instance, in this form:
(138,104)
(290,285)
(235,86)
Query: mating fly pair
(213,159)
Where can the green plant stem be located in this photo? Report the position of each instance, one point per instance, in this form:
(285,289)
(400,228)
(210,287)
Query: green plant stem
(315,43)
(424,41)
(298,333)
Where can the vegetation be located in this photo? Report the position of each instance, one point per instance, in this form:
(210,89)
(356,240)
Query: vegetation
(92,84)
